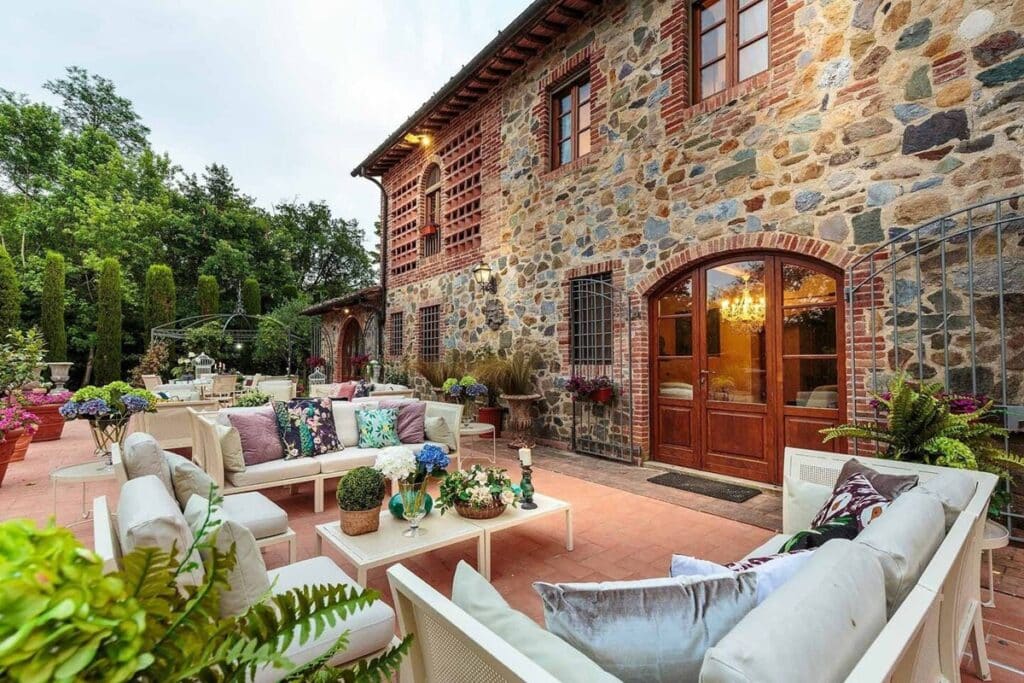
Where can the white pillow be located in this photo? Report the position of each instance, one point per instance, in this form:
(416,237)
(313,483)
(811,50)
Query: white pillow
(649,630)
(437,430)
(953,489)
(248,582)
(187,479)
(771,571)
(142,455)
(230,448)
(345,419)
(148,517)
(801,501)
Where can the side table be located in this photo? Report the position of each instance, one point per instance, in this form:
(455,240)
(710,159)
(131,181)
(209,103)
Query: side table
(82,473)
(478,429)
(996,536)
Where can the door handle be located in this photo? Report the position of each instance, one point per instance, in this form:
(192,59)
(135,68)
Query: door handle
(704,377)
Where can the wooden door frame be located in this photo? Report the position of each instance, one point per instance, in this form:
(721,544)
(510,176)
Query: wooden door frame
(349,326)
(777,411)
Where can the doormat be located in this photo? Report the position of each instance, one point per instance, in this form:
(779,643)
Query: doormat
(714,488)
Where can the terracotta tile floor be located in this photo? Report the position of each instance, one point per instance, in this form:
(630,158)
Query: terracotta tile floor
(607,519)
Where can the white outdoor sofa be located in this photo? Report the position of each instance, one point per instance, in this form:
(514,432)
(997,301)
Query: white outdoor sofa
(171,424)
(208,455)
(923,640)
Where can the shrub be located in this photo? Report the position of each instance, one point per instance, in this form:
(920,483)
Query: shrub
(10,294)
(251,296)
(361,489)
(153,362)
(159,296)
(52,316)
(107,364)
(251,399)
(208,295)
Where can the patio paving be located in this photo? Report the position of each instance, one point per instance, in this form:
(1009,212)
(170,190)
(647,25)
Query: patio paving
(608,522)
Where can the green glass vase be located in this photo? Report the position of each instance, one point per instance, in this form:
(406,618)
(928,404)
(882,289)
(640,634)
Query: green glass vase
(396,509)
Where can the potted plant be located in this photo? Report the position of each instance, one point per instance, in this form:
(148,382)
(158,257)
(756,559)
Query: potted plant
(360,493)
(412,471)
(579,388)
(603,390)
(358,362)
(252,399)
(108,410)
(46,406)
(512,376)
(16,428)
(467,391)
(480,493)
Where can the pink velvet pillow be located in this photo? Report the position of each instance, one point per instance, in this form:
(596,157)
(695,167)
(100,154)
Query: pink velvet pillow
(345,390)
(411,415)
(257,430)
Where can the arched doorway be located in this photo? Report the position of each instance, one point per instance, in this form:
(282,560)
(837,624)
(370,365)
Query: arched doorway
(747,358)
(351,345)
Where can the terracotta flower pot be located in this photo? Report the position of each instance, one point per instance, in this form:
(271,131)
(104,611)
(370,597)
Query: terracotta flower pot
(359,522)
(602,395)
(492,416)
(21,447)
(7,447)
(51,422)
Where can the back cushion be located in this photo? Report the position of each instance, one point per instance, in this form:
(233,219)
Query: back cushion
(410,418)
(148,517)
(953,490)
(345,420)
(801,501)
(143,456)
(436,429)
(904,540)
(187,479)
(257,430)
(813,629)
(346,390)
(889,485)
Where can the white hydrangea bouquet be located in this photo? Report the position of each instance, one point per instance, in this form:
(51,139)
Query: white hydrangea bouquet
(478,489)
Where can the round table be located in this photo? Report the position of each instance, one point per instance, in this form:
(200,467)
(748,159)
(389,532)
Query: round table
(996,536)
(479,429)
(82,473)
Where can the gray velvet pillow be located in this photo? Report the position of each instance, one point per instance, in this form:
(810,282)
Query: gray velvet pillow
(187,479)
(649,630)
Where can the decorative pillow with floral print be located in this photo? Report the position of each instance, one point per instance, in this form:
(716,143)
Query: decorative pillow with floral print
(855,498)
(378,427)
(363,389)
(306,427)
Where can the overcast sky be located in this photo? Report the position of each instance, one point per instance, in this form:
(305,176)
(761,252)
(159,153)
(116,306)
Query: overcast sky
(290,96)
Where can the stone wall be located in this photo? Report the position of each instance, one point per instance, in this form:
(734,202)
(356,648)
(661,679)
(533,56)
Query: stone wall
(874,118)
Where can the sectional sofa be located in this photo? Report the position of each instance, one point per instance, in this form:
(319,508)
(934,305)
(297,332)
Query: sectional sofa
(900,604)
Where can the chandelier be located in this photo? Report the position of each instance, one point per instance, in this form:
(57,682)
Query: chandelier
(745,310)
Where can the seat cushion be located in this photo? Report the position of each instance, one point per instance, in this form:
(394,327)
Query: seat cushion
(769,547)
(187,479)
(953,489)
(904,540)
(142,455)
(148,517)
(345,420)
(623,626)
(813,629)
(369,630)
(479,599)
(247,580)
(257,513)
(348,459)
(275,470)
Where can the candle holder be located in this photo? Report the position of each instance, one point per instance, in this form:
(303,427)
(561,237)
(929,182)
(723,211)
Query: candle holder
(526,485)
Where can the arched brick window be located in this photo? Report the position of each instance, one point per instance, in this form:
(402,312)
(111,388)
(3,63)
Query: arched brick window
(432,211)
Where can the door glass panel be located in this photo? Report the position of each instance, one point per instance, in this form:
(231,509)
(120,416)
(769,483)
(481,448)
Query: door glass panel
(677,300)
(754,59)
(712,44)
(802,286)
(735,332)
(810,382)
(675,378)
(754,21)
(809,331)
(675,336)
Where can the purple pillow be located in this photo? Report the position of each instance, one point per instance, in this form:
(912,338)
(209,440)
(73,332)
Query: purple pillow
(410,419)
(257,430)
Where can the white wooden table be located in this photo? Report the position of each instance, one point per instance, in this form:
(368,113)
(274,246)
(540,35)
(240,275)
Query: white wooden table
(478,429)
(387,545)
(513,517)
(82,473)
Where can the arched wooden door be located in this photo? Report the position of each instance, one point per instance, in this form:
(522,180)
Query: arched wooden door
(747,358)
(350,345)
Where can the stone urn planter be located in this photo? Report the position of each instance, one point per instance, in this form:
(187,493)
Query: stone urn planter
(7,446)
(51,422)
(520,416)
(59,374)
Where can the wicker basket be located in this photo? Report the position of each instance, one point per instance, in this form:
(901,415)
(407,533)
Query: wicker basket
(357,523)
(470,512)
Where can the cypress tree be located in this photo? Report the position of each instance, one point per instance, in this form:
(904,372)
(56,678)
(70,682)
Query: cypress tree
(10,294)
(52,322)
(251,296)
(208,295)
(108,323)
(159,296)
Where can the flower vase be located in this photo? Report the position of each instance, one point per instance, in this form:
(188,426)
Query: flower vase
(414,495)
(105,433)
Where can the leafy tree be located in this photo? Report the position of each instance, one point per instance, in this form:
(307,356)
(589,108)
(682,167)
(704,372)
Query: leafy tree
(251,296)
(283,335)
(30,138)
(108,323)
(10,294)
(52,318)
(91,101)
(208,295)
(159,296)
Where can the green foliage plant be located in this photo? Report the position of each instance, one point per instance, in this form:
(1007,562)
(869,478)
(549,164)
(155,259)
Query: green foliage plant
(361,489)
(107,365)
(153,362)
(159,297)
(251,296)
(137,624)
(52,314)
(20,354)
(10,293)
(209,338)
(510,373)
(208,295)
(252,399)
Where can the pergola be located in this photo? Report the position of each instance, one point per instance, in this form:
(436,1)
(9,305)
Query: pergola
(242,328)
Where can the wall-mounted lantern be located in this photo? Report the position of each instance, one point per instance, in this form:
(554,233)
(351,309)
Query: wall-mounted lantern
(484,277)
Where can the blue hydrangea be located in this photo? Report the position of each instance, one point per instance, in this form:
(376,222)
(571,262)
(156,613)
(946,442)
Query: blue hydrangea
(432,458)
(476,390)
(455,391)
(94,407)
(134,404)
(69,411)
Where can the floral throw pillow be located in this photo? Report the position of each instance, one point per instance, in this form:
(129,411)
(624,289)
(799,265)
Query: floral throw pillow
(378,427)
(363,389)
(306,427)
(855,498)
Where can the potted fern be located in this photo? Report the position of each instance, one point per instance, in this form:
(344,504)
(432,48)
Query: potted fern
(359,495)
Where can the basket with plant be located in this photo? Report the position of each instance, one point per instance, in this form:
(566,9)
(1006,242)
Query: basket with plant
(359,495)
(479,493)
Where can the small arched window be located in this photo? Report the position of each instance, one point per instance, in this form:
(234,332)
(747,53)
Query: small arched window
(431,230)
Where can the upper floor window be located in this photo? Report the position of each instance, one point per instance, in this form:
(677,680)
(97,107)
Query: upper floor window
(432,219)
(730,43)
(570,116)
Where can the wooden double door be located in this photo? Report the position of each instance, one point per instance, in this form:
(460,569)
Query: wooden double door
(747,358)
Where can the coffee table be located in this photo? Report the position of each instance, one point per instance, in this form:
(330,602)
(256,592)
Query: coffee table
(513,517)
(478,429)
(387,545)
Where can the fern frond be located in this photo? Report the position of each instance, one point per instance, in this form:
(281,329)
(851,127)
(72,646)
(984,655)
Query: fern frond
(318,670)
(379,669)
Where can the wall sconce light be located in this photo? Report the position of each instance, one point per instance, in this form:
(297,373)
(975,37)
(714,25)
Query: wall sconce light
(345,311)
(484,277)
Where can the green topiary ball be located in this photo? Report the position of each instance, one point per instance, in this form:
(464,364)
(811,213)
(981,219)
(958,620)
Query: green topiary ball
(361,489)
